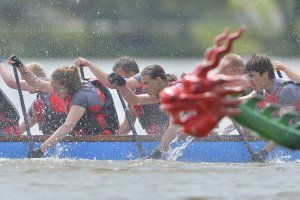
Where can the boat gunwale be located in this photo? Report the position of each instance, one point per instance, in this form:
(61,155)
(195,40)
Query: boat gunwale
(127,138)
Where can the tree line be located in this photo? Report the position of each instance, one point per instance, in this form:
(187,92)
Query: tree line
(145,28)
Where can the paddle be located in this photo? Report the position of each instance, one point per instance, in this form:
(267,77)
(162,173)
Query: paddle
(14,58)
(252,153)
(279,74)
(82,73)
(134,133)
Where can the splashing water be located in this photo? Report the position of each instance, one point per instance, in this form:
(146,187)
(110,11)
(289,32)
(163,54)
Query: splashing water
(59,149)
(173,153)
(280,157)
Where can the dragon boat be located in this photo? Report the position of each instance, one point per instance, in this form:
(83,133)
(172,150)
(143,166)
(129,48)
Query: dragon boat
(215,148)
(197,93)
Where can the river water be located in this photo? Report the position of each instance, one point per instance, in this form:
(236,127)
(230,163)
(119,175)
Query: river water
(146,179)
(143,179)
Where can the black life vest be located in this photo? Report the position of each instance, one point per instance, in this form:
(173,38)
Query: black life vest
(9,116)
(99,120)
(152,119)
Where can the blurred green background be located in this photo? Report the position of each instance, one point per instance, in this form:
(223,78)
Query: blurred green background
(145,28)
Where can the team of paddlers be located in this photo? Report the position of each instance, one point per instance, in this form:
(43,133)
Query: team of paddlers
(67,105)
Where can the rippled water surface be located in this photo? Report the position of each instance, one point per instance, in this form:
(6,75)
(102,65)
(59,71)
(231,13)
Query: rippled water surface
(146,179)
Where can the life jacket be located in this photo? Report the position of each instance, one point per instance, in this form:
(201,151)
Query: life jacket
(152,119)
(99,119)
(273,97)
(48,110)
(9,116)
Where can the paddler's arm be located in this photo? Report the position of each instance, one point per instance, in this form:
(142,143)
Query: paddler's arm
(10,81)
(293,75)
(249,96)
(75,114)
(134,99)
(31,122)
(31,78)
(125,126)
(132,82)
(168,137)
(103,76)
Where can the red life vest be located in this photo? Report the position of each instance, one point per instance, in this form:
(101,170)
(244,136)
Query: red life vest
(49,111)
(271,98)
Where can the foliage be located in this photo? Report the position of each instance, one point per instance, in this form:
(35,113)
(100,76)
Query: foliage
(145,28)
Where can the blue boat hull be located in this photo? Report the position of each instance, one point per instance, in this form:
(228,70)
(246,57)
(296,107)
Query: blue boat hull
(208,150)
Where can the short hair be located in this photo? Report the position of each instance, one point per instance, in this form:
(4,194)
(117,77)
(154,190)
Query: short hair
(37,69)
(235,60)
(171,77)
(127,64)
(260,64)
(154,71)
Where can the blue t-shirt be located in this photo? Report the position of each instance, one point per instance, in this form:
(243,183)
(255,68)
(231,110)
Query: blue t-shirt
(88,96)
